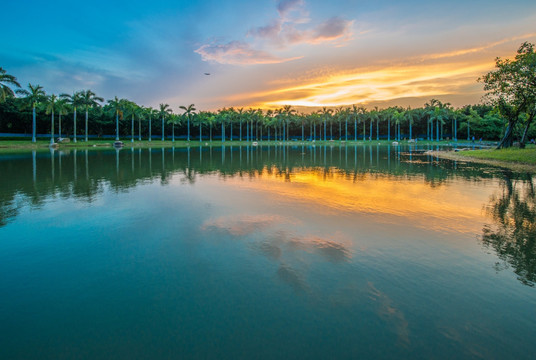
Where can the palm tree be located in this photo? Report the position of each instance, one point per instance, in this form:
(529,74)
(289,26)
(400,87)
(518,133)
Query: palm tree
(199,120)
(50,107)
(164,113)
(132,108)
(174,119)
(211,120)
(151,112)
(74,100)
(141,113)
(326,112)
(188,111)
(117,106)
(89,99)
(63,108)
(33,97)
(6,81)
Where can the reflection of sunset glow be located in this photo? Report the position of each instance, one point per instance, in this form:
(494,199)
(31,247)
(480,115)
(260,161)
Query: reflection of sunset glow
(441,208)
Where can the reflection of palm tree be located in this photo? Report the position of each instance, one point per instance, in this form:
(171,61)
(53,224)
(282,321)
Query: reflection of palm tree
(513,234)
(34,95)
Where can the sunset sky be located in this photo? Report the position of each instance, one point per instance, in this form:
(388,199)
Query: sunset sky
(264,53)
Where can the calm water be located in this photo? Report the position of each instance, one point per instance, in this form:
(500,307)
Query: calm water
(269,253)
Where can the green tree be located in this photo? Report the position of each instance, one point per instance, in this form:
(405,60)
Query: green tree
(188,111)
(89,100)
(512,88)
(33,97)
(6,81)
(117,105)
(63,109)
(164,112)
(75,101)
(51,103)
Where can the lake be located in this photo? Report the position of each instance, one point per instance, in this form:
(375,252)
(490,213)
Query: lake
(346,252)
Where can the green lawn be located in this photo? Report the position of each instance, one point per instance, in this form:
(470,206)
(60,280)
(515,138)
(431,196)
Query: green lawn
(526,156)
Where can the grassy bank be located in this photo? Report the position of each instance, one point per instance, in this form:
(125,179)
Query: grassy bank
(44,144)
(525,156)
(513,158)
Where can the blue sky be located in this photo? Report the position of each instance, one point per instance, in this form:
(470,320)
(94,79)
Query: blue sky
(264,53)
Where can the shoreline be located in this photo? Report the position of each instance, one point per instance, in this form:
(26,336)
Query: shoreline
(511,165)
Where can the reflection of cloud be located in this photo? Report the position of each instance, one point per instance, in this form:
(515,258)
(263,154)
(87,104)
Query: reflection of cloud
(292,277)
(329,249)
(389,313)
(242,225)
(270,250)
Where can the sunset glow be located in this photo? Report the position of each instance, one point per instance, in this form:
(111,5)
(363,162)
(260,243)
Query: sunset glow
(271,53)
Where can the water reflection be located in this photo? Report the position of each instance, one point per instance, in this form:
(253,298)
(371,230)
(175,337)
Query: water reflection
(512,235)
(391,181)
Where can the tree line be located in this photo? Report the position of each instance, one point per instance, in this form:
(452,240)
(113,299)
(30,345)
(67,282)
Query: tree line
(507,115)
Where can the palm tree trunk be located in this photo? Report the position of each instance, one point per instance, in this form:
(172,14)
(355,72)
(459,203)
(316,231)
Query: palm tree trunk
(86,122)
(74,125)
(162,128)
(410,133)
(188,127)
(59,127)
(52,128)
(150,134)
(200,134)
(377,129)
(240,129)
(33,125)
(388,129)
(139,129)
(132,129)
(116,125)
(172,132)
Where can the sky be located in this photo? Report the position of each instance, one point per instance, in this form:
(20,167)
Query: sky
(264,53)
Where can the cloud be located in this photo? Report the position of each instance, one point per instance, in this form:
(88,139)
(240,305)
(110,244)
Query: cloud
(290,28)
(332,29)
(238,53)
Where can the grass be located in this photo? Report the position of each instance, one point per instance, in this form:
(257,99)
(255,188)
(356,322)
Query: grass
(516,155)
(21,144)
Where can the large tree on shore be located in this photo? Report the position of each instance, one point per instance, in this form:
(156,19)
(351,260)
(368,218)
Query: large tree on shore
(512,88)
(33,96)
(6,81)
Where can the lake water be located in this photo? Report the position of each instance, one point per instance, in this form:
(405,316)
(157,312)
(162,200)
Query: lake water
(264,253)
